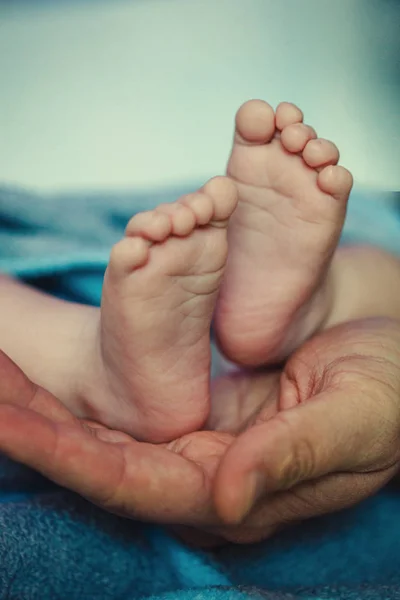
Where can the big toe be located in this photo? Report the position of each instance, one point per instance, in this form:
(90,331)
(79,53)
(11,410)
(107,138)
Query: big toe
(127,255)
(255,123)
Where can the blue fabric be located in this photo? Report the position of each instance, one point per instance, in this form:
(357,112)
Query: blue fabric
(55,545)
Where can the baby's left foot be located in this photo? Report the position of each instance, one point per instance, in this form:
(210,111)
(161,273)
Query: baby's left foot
(292,205)
(160,288)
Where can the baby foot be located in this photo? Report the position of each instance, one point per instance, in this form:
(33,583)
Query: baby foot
(292,205)
(158,299)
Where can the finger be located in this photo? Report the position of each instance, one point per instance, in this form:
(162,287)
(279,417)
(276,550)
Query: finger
(126,477)
(68,455)
(334,433)
(308,500)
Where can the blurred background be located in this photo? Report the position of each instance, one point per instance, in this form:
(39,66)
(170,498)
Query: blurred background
(139,93)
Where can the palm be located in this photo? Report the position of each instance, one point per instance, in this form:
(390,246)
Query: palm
(108,467)
(170,483)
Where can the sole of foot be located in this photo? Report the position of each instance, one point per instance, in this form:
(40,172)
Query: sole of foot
(292,205)
(159,295)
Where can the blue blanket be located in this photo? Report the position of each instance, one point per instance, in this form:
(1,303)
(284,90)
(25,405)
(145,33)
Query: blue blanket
(55,545)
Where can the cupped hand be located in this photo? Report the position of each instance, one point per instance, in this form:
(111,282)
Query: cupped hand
(334,441)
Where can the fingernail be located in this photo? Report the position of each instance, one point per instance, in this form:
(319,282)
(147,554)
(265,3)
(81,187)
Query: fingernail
(253,490)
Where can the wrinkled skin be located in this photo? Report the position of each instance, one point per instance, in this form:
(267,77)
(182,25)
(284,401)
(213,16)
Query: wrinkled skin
(318,436)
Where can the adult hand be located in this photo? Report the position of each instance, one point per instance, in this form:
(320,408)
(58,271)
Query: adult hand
(334,441)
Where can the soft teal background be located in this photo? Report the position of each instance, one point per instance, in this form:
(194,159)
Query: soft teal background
(124,94)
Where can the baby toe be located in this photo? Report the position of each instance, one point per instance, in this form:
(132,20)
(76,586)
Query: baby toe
(336,181)
(319,152)
(295,137)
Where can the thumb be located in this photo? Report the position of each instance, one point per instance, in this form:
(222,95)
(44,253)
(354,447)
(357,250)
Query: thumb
(339,431)
(307,500)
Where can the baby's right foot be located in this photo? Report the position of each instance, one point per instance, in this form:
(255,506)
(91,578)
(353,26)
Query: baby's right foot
(292,205)
(159,293)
